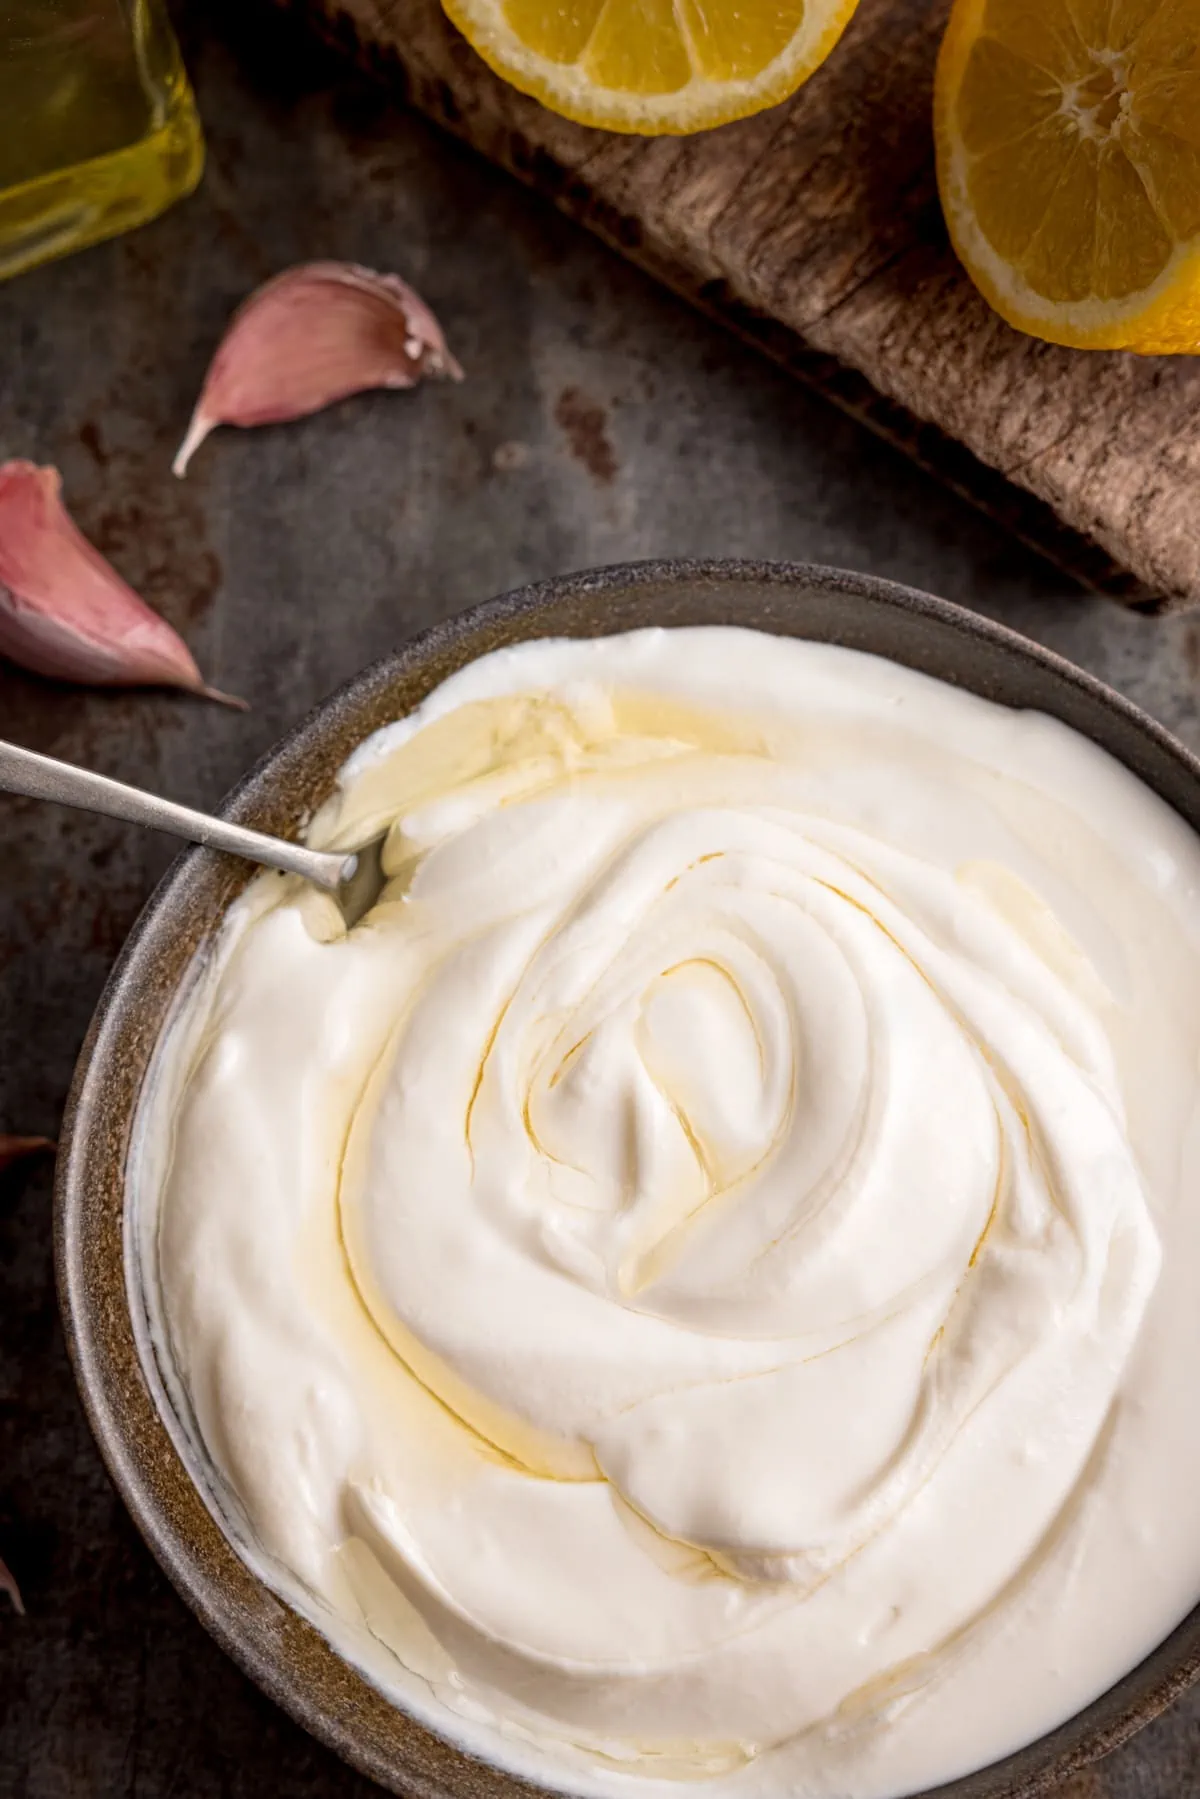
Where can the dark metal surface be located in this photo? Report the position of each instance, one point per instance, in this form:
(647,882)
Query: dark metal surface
(599,420)
(38,777)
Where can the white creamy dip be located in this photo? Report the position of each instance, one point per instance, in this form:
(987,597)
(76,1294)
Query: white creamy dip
(675,1292)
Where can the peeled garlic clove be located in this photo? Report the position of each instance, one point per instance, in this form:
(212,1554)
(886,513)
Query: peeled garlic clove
(313,335)
(8,1585)
(13,1148)
(64,611)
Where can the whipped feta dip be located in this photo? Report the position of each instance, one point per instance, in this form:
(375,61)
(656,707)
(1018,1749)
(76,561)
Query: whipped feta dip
(699,1282)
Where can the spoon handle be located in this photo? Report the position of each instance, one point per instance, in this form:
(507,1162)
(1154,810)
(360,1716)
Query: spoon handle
(42,778)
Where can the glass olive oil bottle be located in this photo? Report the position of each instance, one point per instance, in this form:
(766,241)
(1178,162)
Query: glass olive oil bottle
(98,128)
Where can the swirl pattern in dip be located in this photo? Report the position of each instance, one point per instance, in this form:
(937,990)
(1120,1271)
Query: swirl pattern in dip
(664,1291)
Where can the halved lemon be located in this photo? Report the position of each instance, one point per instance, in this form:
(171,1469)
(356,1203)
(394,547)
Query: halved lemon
(1068,136)
(653,66)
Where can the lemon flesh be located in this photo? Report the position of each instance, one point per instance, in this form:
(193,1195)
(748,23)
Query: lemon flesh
(1069,165)
(653,66)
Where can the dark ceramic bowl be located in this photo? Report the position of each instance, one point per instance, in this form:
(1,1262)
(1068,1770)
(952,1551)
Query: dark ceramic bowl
(279,1650)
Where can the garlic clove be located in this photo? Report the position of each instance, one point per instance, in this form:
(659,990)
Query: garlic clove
(64,611)
(313,335)
(8,1585)
(13,1148)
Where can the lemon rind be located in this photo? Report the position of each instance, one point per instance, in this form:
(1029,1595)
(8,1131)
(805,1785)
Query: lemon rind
(702,104)
(1161,319)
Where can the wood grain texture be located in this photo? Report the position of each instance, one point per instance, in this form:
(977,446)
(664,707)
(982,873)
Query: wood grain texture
(815,230)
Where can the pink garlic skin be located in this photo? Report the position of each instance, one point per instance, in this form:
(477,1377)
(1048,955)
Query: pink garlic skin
(8,1585)
(64,611)
(13,1148)
(315,334)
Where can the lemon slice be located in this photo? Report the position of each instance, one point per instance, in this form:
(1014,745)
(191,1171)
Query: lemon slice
(1068,136)
(653,66)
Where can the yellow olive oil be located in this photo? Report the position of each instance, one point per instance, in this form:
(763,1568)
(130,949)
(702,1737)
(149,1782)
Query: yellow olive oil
(98,128)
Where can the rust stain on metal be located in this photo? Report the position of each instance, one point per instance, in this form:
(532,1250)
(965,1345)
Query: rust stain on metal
(150,527)
(585,425)
(93,443)
(1191,647)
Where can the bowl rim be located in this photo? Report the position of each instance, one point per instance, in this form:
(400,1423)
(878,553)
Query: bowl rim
(87,1134)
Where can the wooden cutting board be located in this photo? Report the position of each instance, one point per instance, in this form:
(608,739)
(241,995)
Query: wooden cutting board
(814,230)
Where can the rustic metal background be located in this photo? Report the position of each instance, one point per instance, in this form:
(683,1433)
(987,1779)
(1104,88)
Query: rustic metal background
(599,420)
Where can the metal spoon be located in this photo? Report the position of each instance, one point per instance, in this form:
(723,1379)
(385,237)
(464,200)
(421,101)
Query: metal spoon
(354,880)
